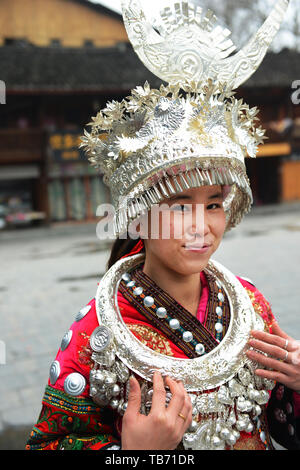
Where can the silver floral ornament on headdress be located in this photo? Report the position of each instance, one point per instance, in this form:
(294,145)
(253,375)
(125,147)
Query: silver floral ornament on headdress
(191,132)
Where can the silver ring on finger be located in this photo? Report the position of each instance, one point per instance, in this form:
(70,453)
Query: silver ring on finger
(286,356)
(286,344)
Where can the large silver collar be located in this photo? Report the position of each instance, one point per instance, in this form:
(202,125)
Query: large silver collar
(199,374)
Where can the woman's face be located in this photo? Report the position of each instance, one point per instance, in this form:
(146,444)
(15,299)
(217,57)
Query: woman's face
(183,232)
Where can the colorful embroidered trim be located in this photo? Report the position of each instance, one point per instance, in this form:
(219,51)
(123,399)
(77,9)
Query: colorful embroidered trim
(65,402)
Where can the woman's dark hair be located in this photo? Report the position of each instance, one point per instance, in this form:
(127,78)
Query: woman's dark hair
(122,247)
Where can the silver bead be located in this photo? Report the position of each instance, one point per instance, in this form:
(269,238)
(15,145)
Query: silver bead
(74,384)
(54,372)
(82,313)
(174,324)
(249,427)
(263,397)
(241,424)
(114,403)
(218,327)
(126,277)
(219,311)
(256,410)
(138,291)
(231,419)
(110,379)
(262,436)
(217,443)
(120,406)
(187,336)
(66,340)
(161,312)
(193,426)
(115,390)
(200,349)
(224,433)
(231,439)
(100,338)
(130,284)
(221,297)
(148,301)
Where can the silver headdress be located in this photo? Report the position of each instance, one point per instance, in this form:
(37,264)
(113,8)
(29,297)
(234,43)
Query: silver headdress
(190,132)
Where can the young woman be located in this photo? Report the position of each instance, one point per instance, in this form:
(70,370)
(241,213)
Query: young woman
(173,270)
(175,351)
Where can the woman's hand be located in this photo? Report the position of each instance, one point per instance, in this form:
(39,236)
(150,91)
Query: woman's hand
(285,360)
(164,427)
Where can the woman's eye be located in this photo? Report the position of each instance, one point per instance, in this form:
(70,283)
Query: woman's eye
(180,208)
(214,206)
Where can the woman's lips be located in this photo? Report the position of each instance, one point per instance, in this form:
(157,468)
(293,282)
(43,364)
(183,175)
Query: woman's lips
(197,248)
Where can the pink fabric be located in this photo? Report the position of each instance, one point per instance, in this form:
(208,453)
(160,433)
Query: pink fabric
(203,299)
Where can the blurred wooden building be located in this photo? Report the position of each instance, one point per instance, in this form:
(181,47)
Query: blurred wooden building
(60,61)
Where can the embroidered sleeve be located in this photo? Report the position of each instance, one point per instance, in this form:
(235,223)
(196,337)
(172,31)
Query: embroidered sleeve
(69,418)
(260,304)
(68,423)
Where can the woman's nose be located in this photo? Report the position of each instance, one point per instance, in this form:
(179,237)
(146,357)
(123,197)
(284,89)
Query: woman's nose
(197,224)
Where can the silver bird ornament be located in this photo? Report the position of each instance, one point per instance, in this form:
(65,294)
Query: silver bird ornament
(186,44)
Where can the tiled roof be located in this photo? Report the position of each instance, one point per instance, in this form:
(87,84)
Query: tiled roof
(51,69)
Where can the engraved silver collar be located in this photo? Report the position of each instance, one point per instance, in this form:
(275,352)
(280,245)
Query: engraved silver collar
(198,374)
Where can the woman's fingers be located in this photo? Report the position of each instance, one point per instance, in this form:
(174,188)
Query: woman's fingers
(178,396)
(180,406)
(271,349)
(159,394)
(134,397)
(274,339)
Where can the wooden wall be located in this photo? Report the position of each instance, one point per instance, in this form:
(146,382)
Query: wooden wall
(290,180)
(41,21)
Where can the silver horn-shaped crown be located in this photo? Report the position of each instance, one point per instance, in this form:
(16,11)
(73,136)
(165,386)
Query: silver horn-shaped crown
(187,45)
